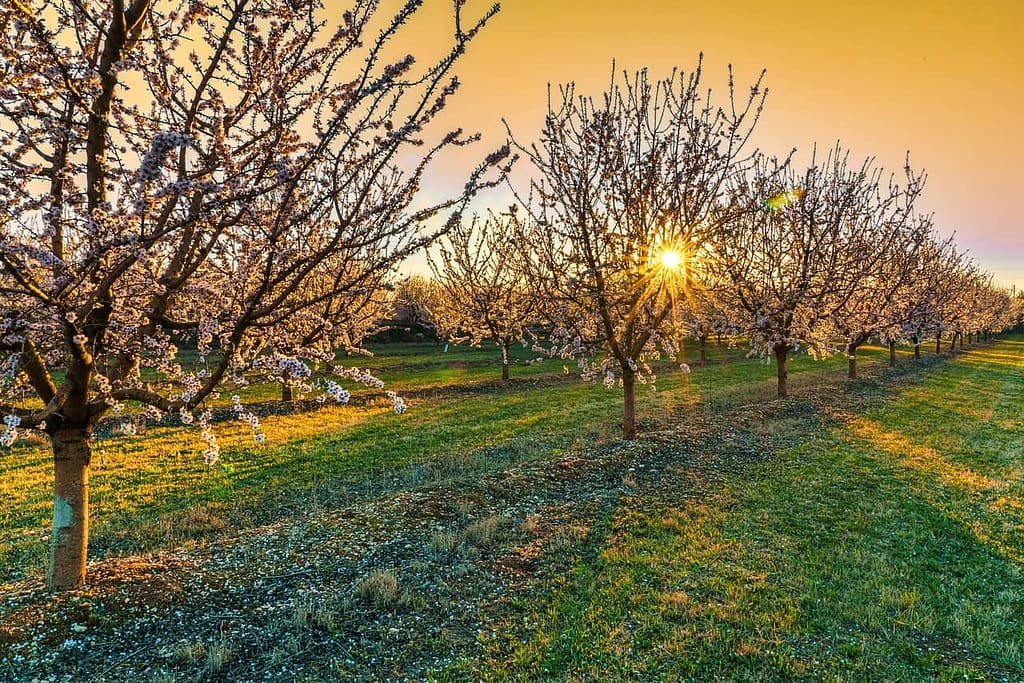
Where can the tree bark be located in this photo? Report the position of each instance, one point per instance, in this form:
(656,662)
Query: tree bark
(69,541)
(628,405)
(892,354)
(781,354)
(504,362)
(938,343)
(703,352)
(917,348)
(851,357)
(286,392)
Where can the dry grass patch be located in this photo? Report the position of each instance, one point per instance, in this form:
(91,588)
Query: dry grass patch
(379,588)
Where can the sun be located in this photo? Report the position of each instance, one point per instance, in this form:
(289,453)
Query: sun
(670,259)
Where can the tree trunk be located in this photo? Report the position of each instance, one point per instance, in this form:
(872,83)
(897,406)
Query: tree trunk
(938,343)
(504,362)
(917,348)
(703,351)
(286,392)
(69,542)
(970,337)
(781,354)
(628,405)
(892,354)
(851,357)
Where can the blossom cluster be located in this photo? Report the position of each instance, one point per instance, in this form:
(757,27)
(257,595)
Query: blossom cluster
(248,417)
(10,433)
(163,143)
(336,392)
(361,376)
(398,403)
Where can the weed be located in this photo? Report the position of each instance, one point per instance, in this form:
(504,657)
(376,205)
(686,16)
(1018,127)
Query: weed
(486,532)
(217,656)
(444,541)
(379,588)
(309,613)
(188,652)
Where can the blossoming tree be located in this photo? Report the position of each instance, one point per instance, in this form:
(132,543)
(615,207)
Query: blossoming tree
(887,247)
(186,169)
(623,196)
(798,247)
(413,303)
(481,285)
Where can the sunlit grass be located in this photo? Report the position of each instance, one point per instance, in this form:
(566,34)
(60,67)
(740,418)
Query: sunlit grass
(869,547)
(145,490)
(874,536)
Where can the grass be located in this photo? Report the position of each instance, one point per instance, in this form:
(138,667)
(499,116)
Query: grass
(868,529)
(154,491)
(886,544)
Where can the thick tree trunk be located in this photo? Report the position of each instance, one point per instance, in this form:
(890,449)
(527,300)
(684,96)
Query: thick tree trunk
(628,405)
(504,362)
(892,354)
(970,337)
(781,355)
(286,392)
(917,348)
(938,344)
(703,352)
(851,357)
(69,542)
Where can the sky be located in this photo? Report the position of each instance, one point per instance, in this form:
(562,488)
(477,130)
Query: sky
(941,79)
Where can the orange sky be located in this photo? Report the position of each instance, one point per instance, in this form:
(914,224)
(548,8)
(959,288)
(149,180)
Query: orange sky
(940,78)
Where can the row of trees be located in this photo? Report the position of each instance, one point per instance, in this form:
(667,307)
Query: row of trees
(246,175)
(647,222)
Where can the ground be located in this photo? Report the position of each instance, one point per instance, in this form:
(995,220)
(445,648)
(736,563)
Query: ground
(867,529)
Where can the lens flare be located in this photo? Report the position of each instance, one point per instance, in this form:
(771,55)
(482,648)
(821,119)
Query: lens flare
(783,199)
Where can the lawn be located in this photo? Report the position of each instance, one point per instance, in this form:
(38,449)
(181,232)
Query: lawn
(868,529)
(882,540)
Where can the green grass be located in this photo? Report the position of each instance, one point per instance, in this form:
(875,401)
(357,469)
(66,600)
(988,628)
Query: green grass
(868,529)
(883,544)
(154,490)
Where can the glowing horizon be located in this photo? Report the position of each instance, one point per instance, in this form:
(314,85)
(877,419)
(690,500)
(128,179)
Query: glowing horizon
(941,80)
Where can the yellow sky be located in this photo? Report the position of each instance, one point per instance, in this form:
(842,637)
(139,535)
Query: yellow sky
(942,79)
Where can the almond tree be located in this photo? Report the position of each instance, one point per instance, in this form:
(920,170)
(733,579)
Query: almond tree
(903,300)
(891,242)
(623,196)
(995,310)
(991,309)
(414,301)
(912,314)
(798,248)
(483,292)
(960,280)
(705,311)
(182,170)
